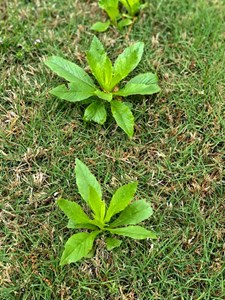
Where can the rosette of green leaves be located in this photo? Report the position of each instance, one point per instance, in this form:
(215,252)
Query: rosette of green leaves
(119,218)
(132,6)
(111,7)
(108,90)
(116,15)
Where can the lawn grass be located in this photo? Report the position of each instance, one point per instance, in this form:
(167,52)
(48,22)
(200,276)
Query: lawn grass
(177,153)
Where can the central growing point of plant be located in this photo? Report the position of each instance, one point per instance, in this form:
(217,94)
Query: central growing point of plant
(82,87)
(107,221)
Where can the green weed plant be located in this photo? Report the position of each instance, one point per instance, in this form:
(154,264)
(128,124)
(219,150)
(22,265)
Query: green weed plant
(120,218)
(121,13)
(108,92)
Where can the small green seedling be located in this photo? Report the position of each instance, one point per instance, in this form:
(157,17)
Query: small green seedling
(118,18)
(119,218)
(81,86)
(132,6)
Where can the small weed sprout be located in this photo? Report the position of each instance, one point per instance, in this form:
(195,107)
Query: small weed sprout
(121,13)
(120,218)
(108,92)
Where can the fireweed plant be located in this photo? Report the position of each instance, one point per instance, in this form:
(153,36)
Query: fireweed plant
(82,88)
(119,218)
(120,12)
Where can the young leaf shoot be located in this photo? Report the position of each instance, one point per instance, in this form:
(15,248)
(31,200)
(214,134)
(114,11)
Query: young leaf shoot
(121,13)
(103,220)
(110,90)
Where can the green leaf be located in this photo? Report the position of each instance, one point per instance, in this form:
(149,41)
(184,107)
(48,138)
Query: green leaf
(134,232)
(82,225)
(70,224)
(103,95)
(142,84)
(112,243)
(132,6)
(138,89)
(99,63)
(95,112)
(100,26)
(121,199)
(77,247)
(76,92)
(69,70)
(127,62)
(111,7)
(85,179)
(145,78)
(123,116)
(124,23)
(128,104)
(90,253)
(73,211)
(96,204)
(133,214)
